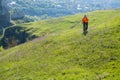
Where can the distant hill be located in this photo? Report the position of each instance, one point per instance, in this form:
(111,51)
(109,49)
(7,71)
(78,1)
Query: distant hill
(62,52)
(55,8)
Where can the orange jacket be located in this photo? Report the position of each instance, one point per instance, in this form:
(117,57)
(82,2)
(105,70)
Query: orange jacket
(85,19)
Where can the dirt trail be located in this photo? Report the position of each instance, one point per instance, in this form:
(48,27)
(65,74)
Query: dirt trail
(39,39)
(4,29)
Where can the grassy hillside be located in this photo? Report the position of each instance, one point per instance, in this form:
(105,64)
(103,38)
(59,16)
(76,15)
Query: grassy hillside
(62,52)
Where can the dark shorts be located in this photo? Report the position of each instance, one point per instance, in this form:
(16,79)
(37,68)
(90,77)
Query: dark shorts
(85,25)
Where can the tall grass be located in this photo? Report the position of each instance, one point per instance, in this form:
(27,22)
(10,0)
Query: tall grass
(65,53)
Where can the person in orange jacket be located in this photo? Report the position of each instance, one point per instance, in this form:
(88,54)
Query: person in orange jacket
(85,24)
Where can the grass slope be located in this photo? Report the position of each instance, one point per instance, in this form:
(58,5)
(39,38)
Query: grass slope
(65,53)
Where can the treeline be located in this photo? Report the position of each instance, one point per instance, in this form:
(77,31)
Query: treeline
(43,9)
(55,8)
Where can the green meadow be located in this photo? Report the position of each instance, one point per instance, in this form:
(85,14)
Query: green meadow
(62,52)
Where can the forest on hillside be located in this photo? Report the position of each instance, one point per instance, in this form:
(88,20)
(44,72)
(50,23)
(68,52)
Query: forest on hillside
(55,8)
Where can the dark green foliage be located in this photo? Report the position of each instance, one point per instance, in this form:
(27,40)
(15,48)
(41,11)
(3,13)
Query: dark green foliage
(14,36)
(4,15)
